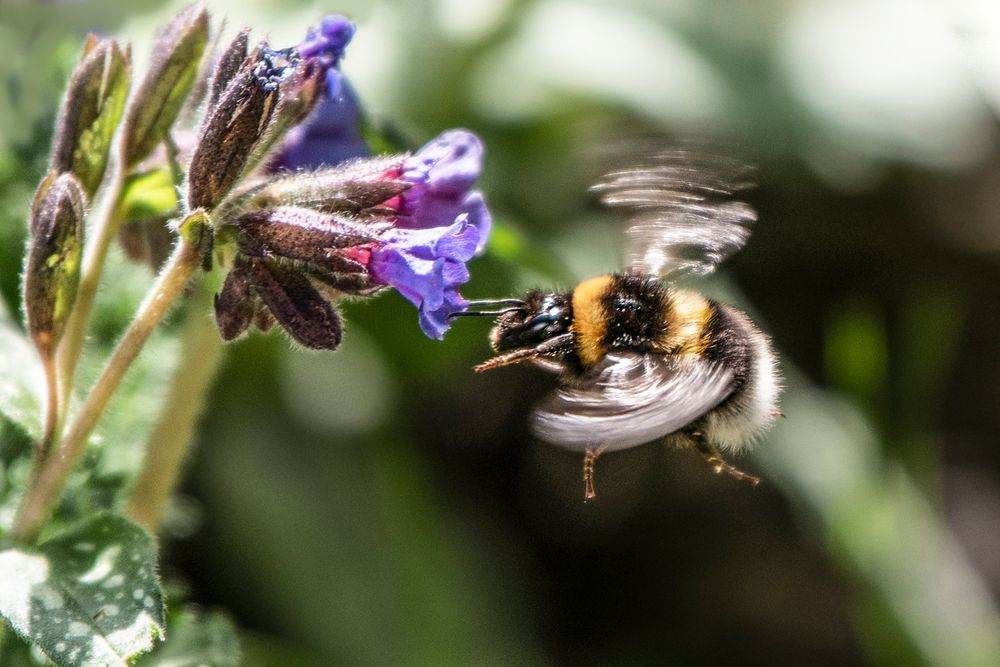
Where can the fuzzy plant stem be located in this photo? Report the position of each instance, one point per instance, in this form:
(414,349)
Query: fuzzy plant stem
(171,439)
(37,504)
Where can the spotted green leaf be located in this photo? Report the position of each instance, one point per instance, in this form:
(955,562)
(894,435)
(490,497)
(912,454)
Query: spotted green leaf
(87,596)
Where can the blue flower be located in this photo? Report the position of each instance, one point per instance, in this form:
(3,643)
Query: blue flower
(330,134)
(442,174)
(427,266)
(324,47)
(435,225)
(328,137)
(441,223)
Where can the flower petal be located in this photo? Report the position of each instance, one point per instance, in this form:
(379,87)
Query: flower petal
(328,137)
(435,323)
(479,217)
(427,266)
(442,172)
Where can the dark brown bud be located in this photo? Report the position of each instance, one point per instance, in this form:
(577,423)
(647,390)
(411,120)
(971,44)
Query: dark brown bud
(52,267)
(356,282)
(91,108)
(228,65)
(173,69)
(228,135)
(235,303)
(297,305)
(301,234)
(147,241)
(348,188)
(299,95)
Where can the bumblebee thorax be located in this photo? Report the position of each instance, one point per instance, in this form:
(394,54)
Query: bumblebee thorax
(618,312)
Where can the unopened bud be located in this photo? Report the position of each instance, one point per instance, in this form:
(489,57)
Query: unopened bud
(230,131)
(349,188)
(234,304)
(173,69)
(52,267)
(227,66)
(91,108)
(304,235)
(300,92)
(297,305)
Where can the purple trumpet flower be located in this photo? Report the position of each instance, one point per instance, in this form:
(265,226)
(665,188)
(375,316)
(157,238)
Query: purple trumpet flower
(427,266)
(324,47)
(441,224)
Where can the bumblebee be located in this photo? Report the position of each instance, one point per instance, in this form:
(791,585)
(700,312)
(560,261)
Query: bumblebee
(640,359)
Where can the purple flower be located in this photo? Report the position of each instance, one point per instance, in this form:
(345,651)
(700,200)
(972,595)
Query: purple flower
(328,137)
(324,47)
(442,174)
(431,221)
(427,266)
(441,224)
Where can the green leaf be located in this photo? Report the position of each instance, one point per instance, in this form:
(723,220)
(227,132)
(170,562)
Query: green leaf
(149,195)
(22,380)
(196,639)
(87,596)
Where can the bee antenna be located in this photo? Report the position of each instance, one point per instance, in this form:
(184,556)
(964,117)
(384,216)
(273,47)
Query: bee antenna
(482,313)
(516,303)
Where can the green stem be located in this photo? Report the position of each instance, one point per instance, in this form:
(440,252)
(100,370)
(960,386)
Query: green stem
(201,350)
(103,231)
(52,412)
(37,504)
(41,449)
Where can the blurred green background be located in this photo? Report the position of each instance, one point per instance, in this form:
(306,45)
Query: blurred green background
(385,505)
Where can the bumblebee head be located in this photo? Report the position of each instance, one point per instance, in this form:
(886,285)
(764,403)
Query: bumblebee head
(542,317)
(538,326)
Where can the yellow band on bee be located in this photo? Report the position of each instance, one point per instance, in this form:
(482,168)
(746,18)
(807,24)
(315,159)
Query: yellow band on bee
(689,314)
(589,318)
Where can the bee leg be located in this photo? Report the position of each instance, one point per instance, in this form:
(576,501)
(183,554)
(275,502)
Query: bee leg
(590,457)
(553,347)
(515,357)
(711,455)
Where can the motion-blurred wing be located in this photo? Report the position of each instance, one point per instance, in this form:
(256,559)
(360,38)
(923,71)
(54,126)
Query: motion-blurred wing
(681,215)
(630,399)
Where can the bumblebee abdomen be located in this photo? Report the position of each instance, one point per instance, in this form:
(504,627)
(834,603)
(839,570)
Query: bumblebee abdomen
(733,340)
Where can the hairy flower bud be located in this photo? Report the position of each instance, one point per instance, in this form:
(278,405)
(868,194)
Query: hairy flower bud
(349,188)
(304,235)
(91,108)
(227,66)
(52,265)
(153,108)
(231,129)
(234,304)
(297,305)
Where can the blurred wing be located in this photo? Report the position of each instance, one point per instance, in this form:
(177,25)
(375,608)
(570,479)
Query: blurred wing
(629,399)
(681,217)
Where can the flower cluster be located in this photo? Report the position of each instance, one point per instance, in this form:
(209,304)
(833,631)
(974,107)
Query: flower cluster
(329,223)
(401,221)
